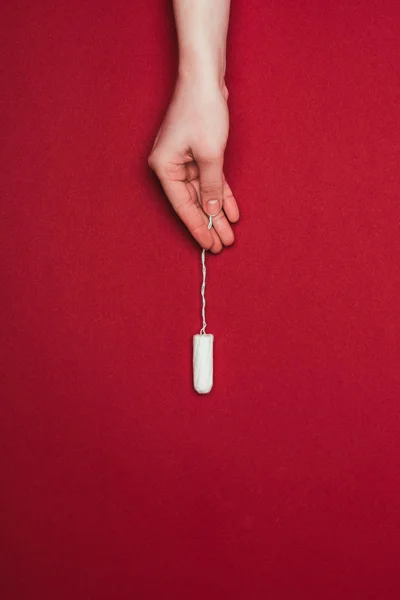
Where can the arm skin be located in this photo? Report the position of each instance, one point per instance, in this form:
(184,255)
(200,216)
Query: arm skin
(188,153)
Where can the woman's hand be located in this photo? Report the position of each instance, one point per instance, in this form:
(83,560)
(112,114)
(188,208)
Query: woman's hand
(188,157)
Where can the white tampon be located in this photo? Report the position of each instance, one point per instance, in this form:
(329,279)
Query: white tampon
(203,343)
(203,362)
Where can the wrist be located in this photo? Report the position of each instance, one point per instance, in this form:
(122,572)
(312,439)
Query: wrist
(201,69)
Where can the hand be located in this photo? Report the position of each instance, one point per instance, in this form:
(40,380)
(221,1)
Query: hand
(188,156)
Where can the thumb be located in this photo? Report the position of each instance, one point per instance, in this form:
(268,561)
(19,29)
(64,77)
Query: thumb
(211,185)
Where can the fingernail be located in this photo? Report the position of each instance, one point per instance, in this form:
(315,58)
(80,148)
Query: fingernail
(212,207)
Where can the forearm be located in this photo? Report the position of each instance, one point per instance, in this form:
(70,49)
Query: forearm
(202,27)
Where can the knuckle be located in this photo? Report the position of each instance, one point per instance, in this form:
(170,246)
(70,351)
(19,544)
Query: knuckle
(155,161)
(211,188)
(182,206)
(198,229)
(212,155)
(210,152)
(219,217)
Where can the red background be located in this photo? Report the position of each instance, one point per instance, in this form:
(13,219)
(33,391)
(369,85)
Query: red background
(118,480)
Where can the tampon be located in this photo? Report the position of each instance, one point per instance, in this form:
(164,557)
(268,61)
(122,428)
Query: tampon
(203,362)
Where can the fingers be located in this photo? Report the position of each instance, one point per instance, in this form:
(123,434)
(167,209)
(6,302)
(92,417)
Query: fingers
(230,205)
(217,244)
(183,198)
(220,223)
(211,184)
(183,183)
(223,228)
(230,209)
